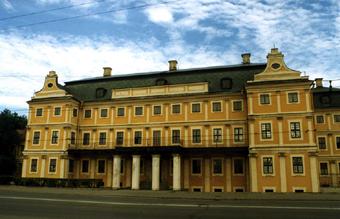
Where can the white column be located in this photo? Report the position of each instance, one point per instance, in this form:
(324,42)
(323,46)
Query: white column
(43,165)
(63,166)
(283,176)
(176,183)
(155,171)
(135,172)
(314,171)
(24,167)
(116,172)
(253,172)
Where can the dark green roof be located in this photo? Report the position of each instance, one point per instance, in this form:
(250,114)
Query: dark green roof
(326,97)
(85,90)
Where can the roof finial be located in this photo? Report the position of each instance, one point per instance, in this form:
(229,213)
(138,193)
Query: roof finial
(274,46)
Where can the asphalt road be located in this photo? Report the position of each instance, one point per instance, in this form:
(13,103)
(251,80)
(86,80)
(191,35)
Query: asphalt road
(33,204)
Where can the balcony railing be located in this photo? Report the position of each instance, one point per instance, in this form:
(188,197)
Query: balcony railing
(329,180)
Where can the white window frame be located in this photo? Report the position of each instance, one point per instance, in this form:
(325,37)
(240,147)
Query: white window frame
(239,187)
(134,111)
(316,118)
(217,187)
(153,110)
(271,129)
(192,135)
(61,111)
(33,137)
(268,187)
(212,135)
(82,139)
(142,136)
(107,113)
(265,104)
(121,107)
(232,105)
(299,188)
(326,142)
(180,109)
(85,113)
(180,136)
(200,104)
(115,140)
(196,187)
(233,129)
(58,139)
(212,166)
(106,138)
(152,136)
(262,165)
(303,163)
(301,130)
(212,106)
(328,168)
(56,165)
(36,111)
(291,92)
(30,166)
(333,117)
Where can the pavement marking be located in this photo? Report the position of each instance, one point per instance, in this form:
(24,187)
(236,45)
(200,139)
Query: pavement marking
(170,205)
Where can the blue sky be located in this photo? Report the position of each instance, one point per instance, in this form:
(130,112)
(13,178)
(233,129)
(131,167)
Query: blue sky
(138,36)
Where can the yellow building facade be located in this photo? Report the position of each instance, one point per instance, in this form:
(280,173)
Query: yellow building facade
(249,127)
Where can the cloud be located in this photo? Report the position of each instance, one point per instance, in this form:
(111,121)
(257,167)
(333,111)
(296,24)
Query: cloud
(6,4)
(160,14)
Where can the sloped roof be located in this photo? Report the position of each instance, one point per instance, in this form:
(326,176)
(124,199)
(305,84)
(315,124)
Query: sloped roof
(326,97)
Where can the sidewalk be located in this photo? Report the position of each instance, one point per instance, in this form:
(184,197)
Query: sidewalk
(174,195)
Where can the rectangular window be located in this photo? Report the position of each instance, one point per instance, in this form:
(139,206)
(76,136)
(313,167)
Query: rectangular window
(73,137)
(238,166)
(138,111)
(297,165)
(323,168)
(216,107)
(267,165)
(266,131)
(322,143)
(87,113)
(264,99)
(103,113)
(176,136)
(238,134)
(336,118)
(53,165)
(293,97)
(85,166)
(237,105)
(157,110)
(196,166)
(196,136)
(217,166)
(36,137)
(217,135)
(119,138)
(39,112)
(75,112)
(57,111)
(320,119)
(34,165)
(156,140)
(55,136)
(195,107)
(102,138)
(86,139)
(176,109)
(337,139)
(138,137)
(101,166)
(70,166)
(121,111)
(295,130)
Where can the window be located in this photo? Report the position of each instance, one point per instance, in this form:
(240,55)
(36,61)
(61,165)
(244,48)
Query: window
(85,166)
(323,168)
(238,166)
(267,165)
(217,135)
(237,105)
(57,111)
(297,165)
(196,189)
(75,112)
(34,165)
(36,137)
(337,139)
(217,166)
(73,137)
(295,130)
(176,136)
(238,134)
(86,139)
(216,107)
(70,166)
(320,119)
(55,137)
(218,190)
(138,111)
(196,166)
(102,138)
(226,83)
(121,111)
(176,109)
(38,112)
(336,118)
(161,81)
(138,137)
(88,113)
(269,190)
(119,138)
(195,107)
(53,165)
(322,143)
(266,131)
(293,97)
(103,113)
(196,136)
(156,140)
(239,190)
(101,166)
(264,99)
(157,110)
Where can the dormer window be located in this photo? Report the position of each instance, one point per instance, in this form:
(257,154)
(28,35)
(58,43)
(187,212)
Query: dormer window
(161,81)
(100,92)
(226,83)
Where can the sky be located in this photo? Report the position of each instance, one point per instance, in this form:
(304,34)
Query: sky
(77,38)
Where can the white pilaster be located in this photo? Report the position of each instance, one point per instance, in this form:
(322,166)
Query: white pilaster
(176,183)
(314,172)
(135,172)
(116,172)
(24,167)
(253,173)
(155,171)
(283,177)
(42,169)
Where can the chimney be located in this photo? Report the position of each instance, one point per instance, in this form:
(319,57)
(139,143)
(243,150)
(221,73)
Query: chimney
(245,58)
(318,82)
(107,71)
(172,65)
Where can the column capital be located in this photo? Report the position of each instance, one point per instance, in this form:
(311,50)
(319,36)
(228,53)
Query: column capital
(135,156)
(282,154)
(156,155)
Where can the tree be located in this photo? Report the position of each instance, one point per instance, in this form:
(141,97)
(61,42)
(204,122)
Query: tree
(9,140)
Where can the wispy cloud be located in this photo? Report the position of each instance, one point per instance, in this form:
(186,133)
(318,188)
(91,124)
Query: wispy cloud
(6,4)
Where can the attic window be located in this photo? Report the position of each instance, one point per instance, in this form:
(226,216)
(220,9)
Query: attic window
(161,81)
(325,99)
(226,83)
(50,85)
(100,92)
